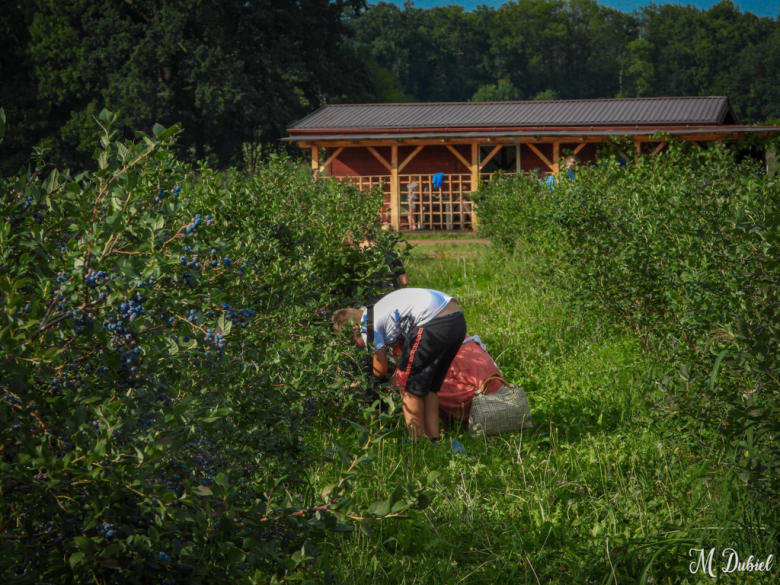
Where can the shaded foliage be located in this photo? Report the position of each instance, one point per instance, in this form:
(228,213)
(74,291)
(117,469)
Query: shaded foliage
(164,347)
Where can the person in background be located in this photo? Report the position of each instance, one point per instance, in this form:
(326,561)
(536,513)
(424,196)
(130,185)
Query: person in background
(429,327)
(414,195)
(571,162)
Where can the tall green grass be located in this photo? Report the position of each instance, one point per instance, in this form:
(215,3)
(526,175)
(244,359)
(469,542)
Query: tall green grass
(594,494)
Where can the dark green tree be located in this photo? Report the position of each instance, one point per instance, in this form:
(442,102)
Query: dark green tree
(713,52)
(503,91)
(18,89)
(437,54)
(234,73)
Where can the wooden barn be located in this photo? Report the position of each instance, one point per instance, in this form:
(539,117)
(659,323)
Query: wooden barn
(428,157)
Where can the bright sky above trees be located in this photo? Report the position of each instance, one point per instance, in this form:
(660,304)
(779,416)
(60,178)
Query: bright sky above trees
(758,7)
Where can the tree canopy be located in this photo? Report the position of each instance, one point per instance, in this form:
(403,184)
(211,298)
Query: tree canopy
(237,73)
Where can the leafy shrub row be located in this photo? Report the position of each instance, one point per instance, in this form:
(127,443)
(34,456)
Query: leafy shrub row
(164,345)
(683,249)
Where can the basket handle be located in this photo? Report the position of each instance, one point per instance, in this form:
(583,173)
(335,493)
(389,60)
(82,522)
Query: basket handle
(481,389)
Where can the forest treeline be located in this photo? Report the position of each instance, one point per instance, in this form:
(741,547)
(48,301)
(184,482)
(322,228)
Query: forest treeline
(237,73)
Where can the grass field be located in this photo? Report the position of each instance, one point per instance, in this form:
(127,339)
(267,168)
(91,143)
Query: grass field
(589,496)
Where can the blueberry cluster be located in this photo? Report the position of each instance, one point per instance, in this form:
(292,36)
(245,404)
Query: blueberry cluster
(191,263)
(240,317)
(229,263)
(161,193)
(133,308)
(126,359)
(12,400)
(93,277)
(30,202)
(108,529)
(63,277)
(67,448)
(216,339)
(56,387)
(164,557)
(81,321)
(145,283)
(196,221)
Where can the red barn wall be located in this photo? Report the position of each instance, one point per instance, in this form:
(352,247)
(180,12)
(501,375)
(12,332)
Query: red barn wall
(359,161)
(530,161)
(435,159)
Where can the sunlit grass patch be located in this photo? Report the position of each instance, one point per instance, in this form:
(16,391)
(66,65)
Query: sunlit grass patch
(547,504)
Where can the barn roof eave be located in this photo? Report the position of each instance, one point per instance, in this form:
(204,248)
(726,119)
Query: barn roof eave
(568,133)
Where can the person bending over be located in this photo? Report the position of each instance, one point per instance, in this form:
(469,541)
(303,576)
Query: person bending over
(429,327)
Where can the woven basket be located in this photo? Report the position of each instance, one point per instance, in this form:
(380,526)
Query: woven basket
(503,411)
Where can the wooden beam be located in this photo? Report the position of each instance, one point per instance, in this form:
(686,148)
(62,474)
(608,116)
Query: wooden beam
(579,148)
(620,152)
(493,153)
(474,166)
(315,160)
(556,158)
(658,148)
(696,144)
(395,189)
(409,158)
(380,158)
(458,155)
(540,155)
(331,158)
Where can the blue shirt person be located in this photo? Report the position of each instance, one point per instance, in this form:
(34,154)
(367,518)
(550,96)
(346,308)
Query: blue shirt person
(551,181)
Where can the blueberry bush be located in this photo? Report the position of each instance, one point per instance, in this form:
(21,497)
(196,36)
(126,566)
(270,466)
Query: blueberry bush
(682,249)
(164,347)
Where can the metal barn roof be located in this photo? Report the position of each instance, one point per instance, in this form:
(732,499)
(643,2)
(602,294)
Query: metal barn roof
(708,110)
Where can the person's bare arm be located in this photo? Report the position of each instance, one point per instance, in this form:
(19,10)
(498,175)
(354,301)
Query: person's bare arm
(403,280)
(380,363)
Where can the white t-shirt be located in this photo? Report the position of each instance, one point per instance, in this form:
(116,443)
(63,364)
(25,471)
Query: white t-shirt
(399,311)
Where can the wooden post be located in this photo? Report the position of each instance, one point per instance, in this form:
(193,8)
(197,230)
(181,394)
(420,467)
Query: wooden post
(474,185)
(474,166)
(395,189)
(637,150)
(556,166)
(518,162)
(315,160)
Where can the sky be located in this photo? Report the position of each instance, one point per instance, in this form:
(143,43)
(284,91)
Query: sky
(757,7)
